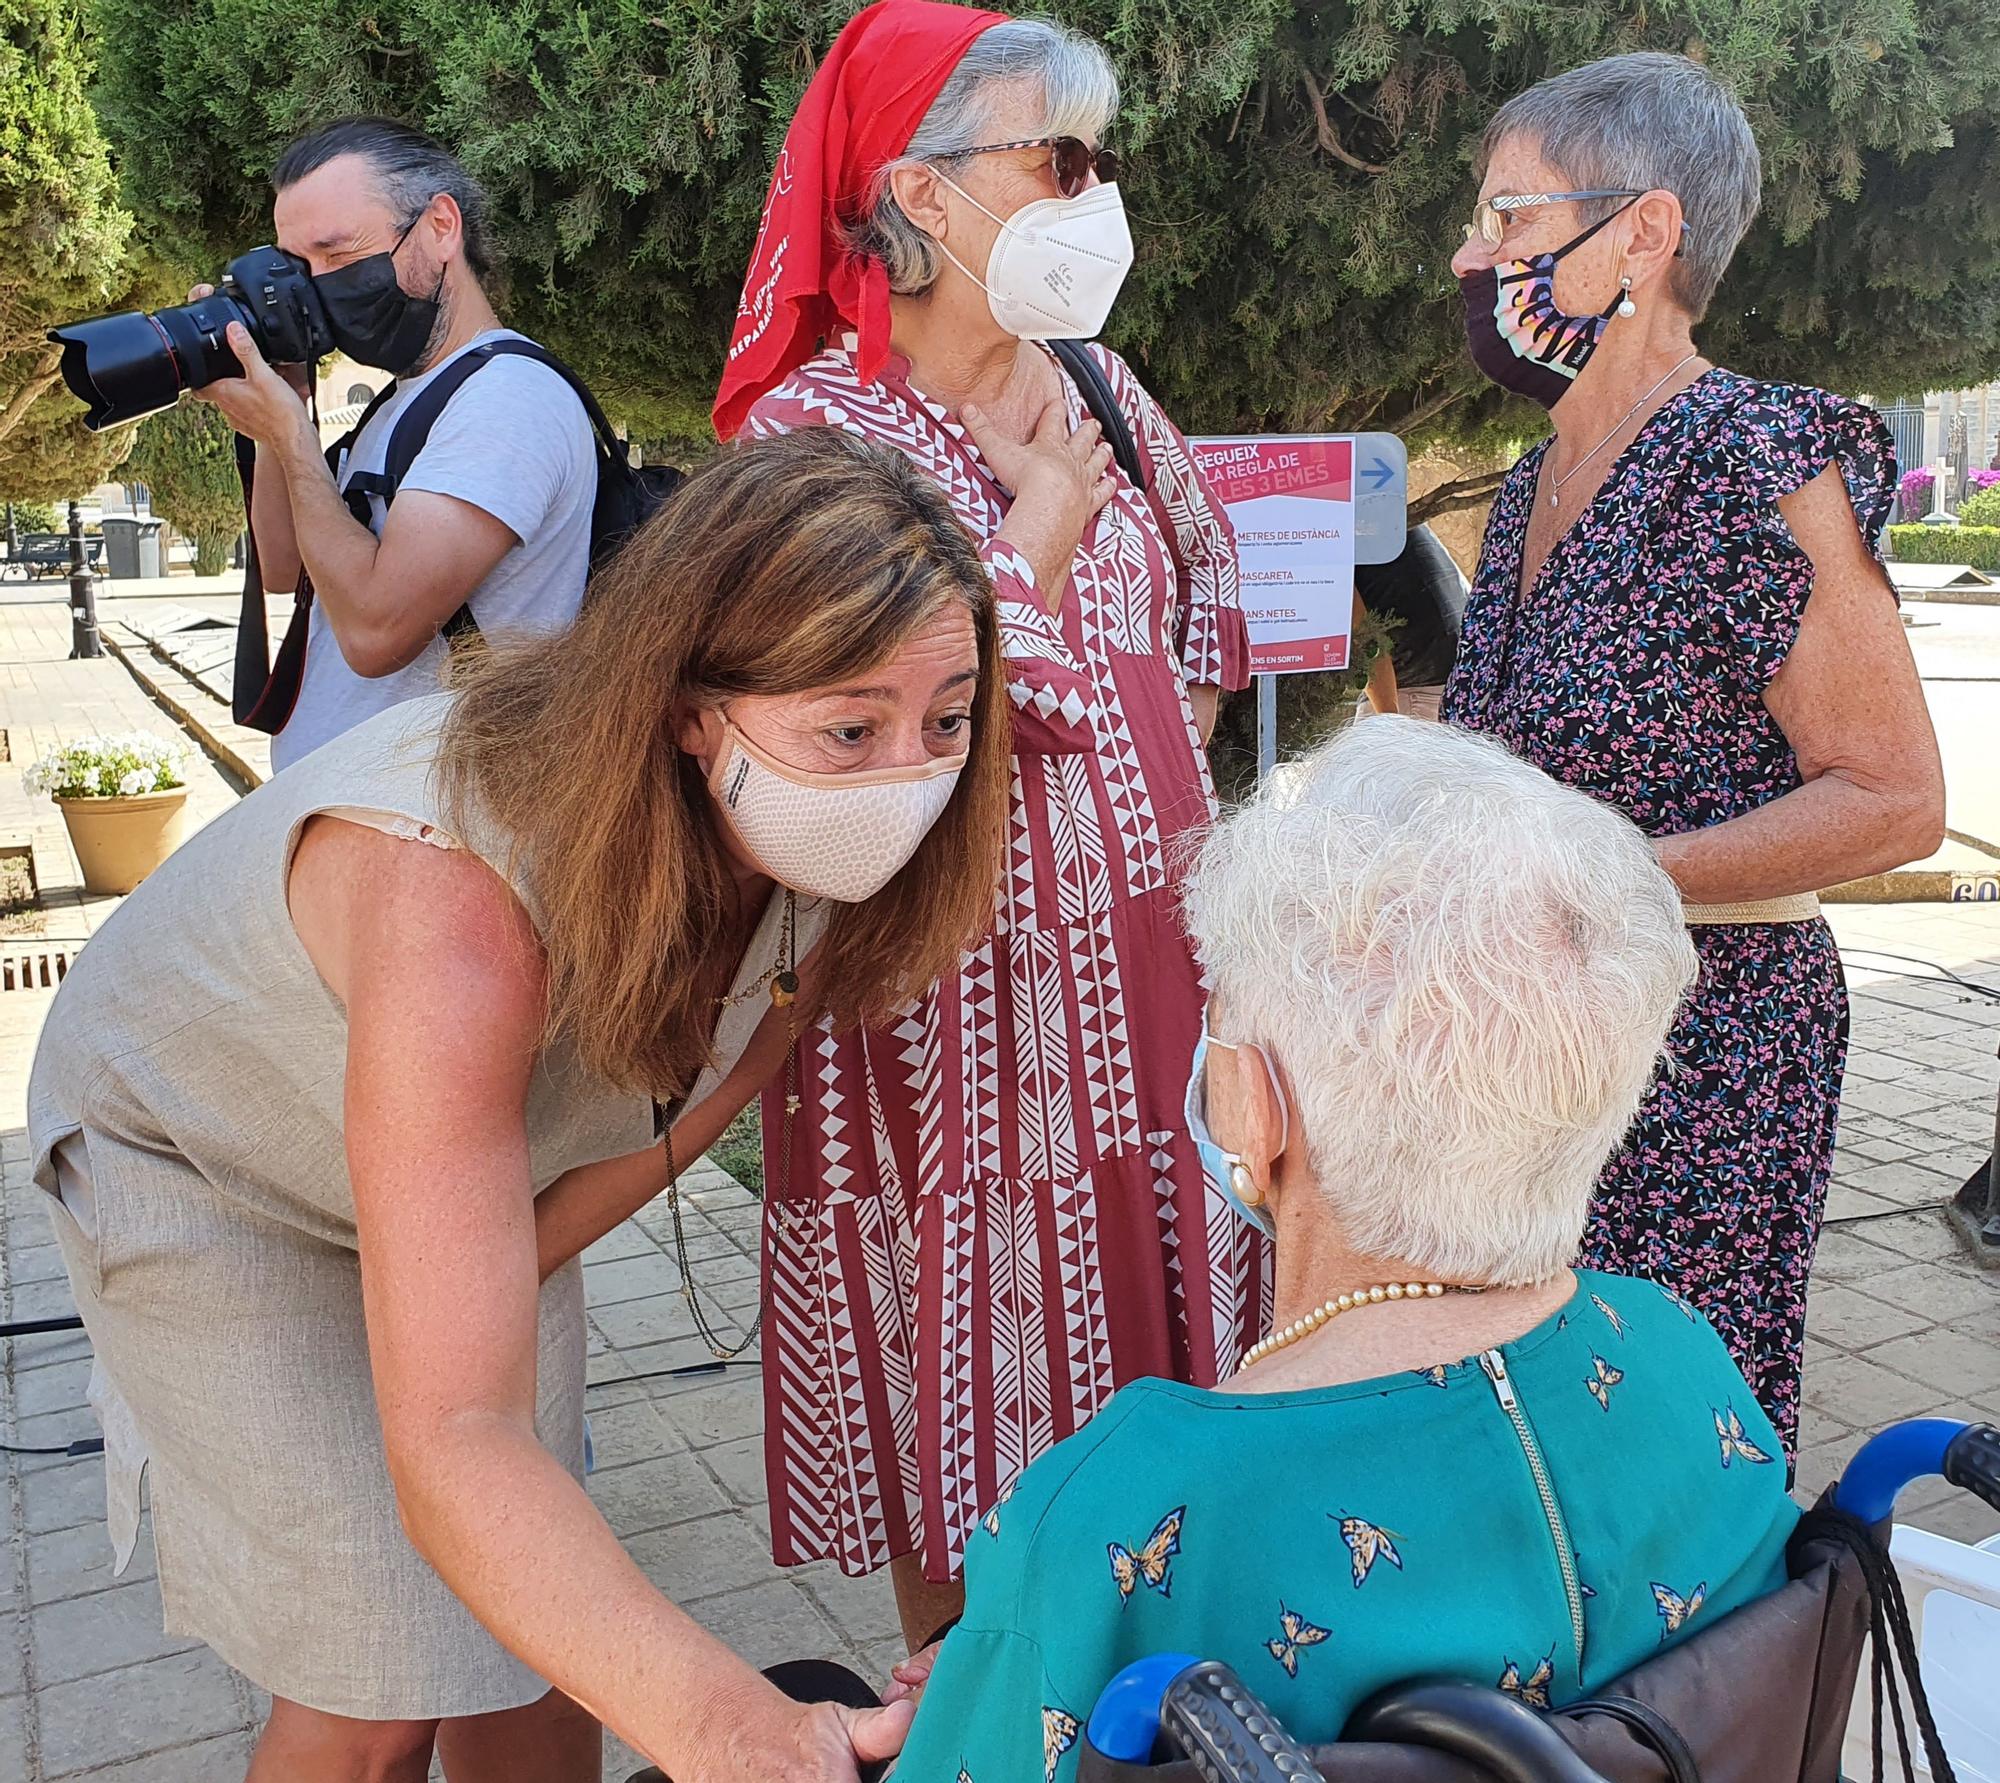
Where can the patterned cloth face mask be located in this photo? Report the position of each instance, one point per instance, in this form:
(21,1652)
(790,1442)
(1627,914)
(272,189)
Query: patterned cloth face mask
(1226,1170)
(1518,337)
(839,836)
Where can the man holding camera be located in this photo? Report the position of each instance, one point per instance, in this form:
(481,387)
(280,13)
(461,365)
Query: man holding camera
(492,519)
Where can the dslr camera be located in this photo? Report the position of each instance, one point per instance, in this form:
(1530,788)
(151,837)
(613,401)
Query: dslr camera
(125,366)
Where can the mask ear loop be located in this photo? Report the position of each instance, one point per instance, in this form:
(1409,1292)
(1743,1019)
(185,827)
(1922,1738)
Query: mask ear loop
(1621,304)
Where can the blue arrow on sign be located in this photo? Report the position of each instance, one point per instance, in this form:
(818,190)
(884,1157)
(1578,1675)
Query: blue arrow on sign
(1382,474)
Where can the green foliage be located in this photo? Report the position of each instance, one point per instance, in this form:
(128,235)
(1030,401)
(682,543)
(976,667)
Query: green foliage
(740,1150)
(186,457)
(1981,509)
(1299,174)
(51,456)
(38,516)
(1977,545)
(62,240)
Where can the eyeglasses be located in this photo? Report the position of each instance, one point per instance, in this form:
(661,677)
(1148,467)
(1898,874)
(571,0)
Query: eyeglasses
(1489,215)
(1072,159)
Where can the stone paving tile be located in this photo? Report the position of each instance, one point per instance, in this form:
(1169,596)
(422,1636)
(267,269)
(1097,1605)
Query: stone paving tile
(124,1715)
(207,1761)
(646,1495)
(71,1562)
(80,1637)
(702,1559)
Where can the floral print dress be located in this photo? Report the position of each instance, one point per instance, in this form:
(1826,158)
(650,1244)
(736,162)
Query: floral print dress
(1634,669)
(1329,1541)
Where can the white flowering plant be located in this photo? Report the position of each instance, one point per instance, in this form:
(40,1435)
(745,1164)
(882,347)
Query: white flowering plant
(110,767)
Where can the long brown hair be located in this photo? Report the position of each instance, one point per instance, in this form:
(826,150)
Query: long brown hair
(781,566)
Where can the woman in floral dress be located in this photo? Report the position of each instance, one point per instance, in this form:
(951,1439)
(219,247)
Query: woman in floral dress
(988,1216)
(1678,609)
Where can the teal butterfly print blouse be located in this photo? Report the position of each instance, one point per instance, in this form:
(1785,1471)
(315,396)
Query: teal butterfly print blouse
(1328,1542)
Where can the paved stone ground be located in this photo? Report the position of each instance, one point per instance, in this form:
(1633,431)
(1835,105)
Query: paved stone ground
(89,1686)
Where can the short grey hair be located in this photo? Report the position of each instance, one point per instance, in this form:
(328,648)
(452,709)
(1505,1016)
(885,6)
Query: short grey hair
(1079,98)
(1650,121)
(1466,973)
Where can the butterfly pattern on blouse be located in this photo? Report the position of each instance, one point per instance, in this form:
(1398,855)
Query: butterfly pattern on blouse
(1366,1543)
(1534,1688)
(1729,1432)
(1603,1380)
(1435,1374)
(1297,1633)
(1151,1564)
(1676,1611)
(1610,1312)
(991,1521)
(1058,1736)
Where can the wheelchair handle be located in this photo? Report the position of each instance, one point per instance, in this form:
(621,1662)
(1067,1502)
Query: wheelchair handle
(1486,1728)
(1205,1710)
(1967,1455)
(1227,1733)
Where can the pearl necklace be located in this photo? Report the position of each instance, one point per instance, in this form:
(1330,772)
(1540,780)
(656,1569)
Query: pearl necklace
(1308,1323)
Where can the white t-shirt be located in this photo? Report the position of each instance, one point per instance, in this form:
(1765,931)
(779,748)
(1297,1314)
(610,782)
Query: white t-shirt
(514,441)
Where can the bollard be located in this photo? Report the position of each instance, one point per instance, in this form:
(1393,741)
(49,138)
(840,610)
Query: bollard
(83,638)
(1975,1210)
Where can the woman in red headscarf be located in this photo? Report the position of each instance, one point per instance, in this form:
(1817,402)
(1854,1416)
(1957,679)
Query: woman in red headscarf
(984,1219)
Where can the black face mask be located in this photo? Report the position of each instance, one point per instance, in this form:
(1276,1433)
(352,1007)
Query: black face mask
(372,319)
(1518,337)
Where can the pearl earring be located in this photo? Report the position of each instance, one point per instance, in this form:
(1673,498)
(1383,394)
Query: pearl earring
(1245,1186)
(1626,307)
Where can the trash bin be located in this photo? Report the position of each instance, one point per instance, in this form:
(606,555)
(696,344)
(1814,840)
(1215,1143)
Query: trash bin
(132,547)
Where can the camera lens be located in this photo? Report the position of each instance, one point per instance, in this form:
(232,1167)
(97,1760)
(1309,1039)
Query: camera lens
(122,367)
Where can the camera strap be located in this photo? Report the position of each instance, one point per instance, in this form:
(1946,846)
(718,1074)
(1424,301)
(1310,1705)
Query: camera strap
(263,692)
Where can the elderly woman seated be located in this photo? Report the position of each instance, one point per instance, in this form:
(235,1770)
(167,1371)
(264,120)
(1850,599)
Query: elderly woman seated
(1441,982)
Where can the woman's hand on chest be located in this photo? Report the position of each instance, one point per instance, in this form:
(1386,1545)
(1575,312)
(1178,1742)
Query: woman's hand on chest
(1059,478)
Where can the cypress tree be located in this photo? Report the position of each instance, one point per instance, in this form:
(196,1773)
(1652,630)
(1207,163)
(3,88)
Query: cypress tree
(1299,175)
(63,241)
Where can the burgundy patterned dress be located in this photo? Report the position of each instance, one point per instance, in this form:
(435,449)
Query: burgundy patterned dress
(1634,670)
(994,1215)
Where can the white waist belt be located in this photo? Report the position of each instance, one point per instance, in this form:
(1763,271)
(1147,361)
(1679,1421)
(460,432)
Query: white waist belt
(1799,907)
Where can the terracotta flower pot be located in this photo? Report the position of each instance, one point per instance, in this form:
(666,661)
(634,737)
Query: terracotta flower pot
(118,841)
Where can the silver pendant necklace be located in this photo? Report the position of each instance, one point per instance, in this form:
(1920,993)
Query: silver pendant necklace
(1556,483)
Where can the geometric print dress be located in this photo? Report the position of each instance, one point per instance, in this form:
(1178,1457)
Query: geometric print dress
(1326,1541)
(1634,670)
(992,1214)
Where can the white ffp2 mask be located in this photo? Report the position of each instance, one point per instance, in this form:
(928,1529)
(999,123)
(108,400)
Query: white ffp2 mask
(1056,265)
(839,836)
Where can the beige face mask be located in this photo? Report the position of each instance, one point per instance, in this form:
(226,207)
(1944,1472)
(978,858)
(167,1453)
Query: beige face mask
(839,836)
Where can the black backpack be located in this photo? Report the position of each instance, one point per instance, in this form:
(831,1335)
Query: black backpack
(265,691)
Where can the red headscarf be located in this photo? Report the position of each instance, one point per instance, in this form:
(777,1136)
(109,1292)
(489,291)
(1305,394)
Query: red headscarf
(865,102)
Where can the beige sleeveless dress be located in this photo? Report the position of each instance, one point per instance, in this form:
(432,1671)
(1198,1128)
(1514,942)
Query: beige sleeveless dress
(185,1117)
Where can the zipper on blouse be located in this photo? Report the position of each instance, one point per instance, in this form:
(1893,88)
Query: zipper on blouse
(1495,1367)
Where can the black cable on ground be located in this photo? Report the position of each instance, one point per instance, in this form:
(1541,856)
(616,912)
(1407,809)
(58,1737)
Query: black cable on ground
(84,1445)
(1933,973)
(35,1327)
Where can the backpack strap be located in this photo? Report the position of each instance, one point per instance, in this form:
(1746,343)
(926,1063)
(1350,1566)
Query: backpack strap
(1095,389)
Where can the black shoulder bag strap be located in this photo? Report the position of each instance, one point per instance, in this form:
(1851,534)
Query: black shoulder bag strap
(413,431)
(263,692)
(1095,389)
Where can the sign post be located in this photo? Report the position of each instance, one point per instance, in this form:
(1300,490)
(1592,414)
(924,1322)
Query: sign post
(1306,508)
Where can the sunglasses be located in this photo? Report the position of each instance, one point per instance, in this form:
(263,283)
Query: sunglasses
(1072,159)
